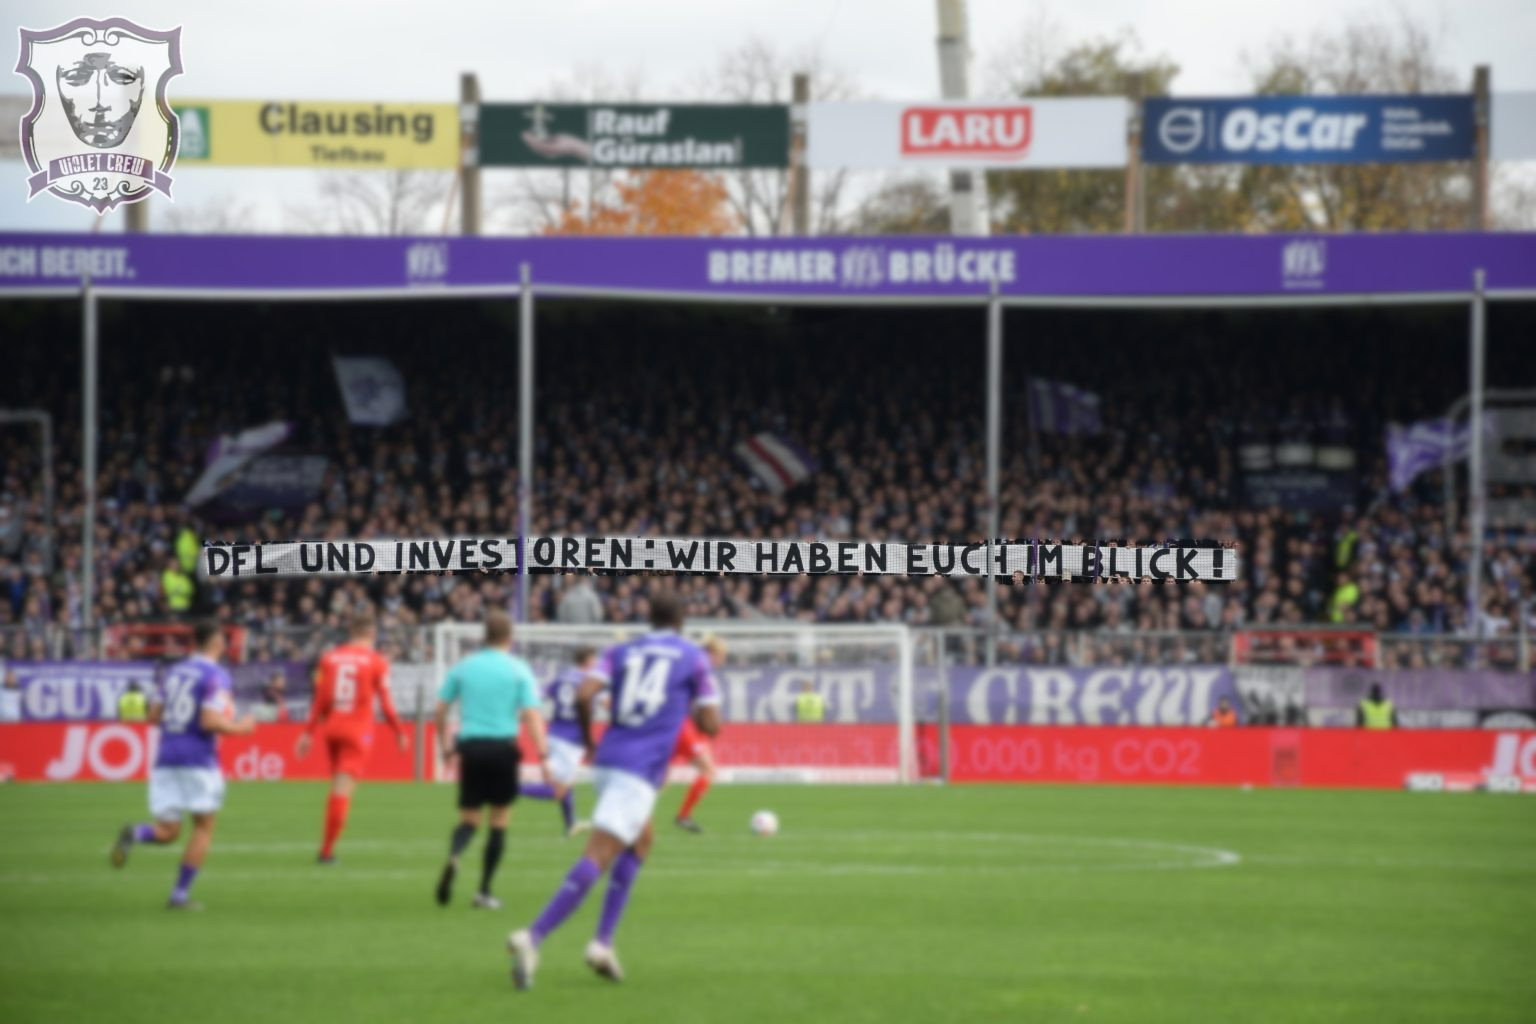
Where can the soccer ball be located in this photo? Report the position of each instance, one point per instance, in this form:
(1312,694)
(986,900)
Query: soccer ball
(765,823)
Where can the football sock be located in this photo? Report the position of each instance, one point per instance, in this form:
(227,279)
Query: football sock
(544,791)
(568,809)
(619,881)
(144,834)
(186,874)
(567,898)
(493,847)
(695,794)
(462,834)
(335,820)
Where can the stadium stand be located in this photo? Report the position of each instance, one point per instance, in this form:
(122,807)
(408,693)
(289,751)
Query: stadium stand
(635,397)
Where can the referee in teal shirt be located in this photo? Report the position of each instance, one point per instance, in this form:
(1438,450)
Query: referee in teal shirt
(495,690)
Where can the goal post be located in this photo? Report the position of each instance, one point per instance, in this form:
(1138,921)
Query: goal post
(864,675)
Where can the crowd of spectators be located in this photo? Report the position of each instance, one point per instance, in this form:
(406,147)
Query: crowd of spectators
(639,407)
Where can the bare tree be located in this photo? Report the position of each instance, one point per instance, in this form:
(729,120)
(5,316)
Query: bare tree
(1513,197)
(1018,66)
(533,200)
(221,216)
(755,72)
(402,202)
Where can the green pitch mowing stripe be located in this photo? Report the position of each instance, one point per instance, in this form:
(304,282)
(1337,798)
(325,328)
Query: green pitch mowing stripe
(873,904)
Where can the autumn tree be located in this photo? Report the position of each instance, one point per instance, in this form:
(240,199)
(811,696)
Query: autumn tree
(1039,63)
(1380,55)
(536,199)
(654,203)
(1365,56)
(906,206)
(1064,201)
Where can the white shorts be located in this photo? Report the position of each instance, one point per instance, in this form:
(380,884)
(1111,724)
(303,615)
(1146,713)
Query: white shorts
(564,758)
(624,803)
(175,791)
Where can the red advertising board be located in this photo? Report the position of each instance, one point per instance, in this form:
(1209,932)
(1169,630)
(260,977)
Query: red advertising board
(110,751)
(1259,757)
(113,751)
(827,752)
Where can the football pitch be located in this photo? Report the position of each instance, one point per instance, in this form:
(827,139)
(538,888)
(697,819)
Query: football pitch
(872,904)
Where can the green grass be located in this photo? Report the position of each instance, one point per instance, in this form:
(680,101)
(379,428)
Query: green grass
(873,904)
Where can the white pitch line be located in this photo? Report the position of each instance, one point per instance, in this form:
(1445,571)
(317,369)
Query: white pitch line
(1281,860)
(1200,856)
(757,869)
(1187,857)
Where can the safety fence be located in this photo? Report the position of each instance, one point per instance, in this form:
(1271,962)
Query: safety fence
(1297,646)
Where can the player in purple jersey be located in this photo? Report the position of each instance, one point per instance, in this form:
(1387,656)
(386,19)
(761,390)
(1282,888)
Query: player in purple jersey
(192,710)
(656,682)
(567,745)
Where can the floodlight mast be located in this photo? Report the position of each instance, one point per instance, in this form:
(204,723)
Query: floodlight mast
(967,201)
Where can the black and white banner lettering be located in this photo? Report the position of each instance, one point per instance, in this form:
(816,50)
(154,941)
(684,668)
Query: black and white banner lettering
(1035,560)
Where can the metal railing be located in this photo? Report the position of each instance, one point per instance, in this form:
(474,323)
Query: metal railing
(49,643)
(306,643)
(1085,648)
(1509,654)
(1079,648)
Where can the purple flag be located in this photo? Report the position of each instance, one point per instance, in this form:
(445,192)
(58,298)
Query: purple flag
(1059,408)
(1424,445)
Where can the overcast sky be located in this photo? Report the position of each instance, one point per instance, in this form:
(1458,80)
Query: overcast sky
(392,49)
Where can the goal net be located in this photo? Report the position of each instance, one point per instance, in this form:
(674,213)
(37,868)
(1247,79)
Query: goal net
(863,674)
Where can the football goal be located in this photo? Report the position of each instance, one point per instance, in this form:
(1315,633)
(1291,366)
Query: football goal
(864,675)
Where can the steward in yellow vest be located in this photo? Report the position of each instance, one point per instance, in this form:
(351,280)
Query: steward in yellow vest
(810,706)
(178,588)
(132,706)
(1376,712)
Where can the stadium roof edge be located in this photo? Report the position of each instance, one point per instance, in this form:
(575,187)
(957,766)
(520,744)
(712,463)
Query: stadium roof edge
(1098,270)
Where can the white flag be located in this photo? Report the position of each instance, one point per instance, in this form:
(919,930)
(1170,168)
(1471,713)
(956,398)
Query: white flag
(372,388)
(228,455)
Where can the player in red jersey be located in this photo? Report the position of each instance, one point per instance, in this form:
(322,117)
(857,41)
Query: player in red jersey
(693,747)
(347,680)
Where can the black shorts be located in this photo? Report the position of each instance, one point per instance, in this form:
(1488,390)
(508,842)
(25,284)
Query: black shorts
(487,773)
